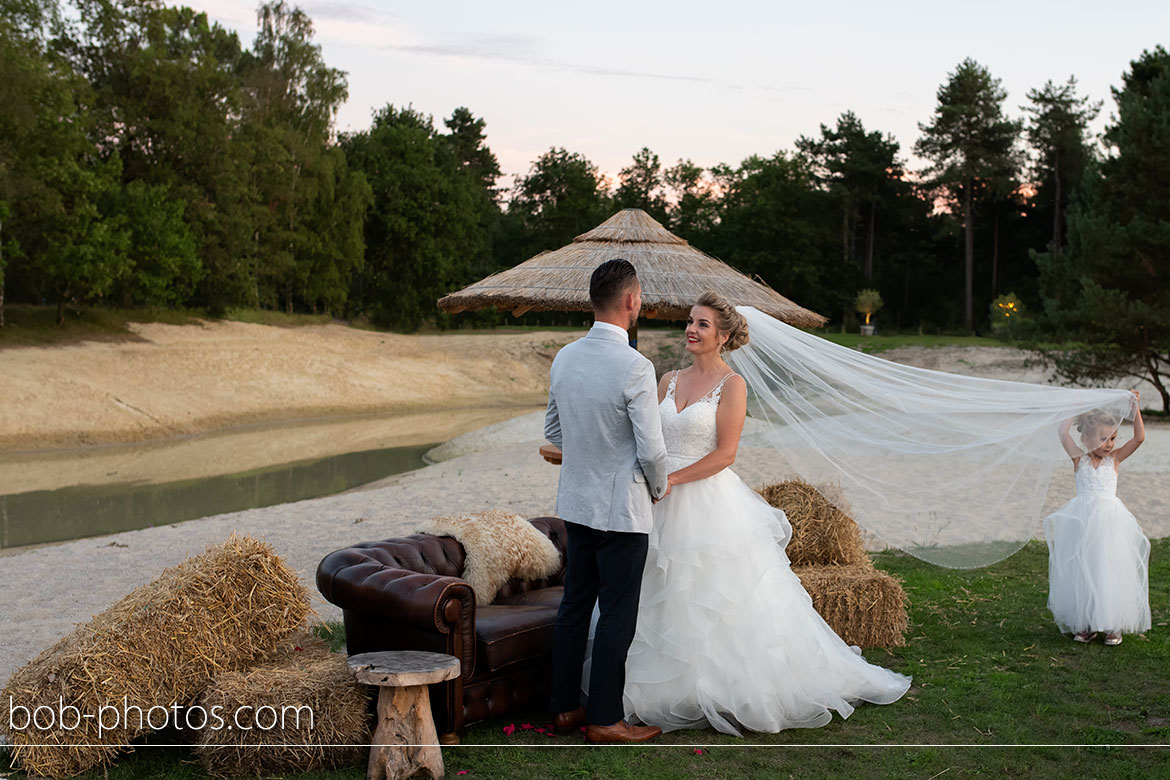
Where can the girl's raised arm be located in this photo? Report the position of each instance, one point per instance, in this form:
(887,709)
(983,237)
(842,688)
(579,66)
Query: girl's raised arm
(1070,446)
(1139,433)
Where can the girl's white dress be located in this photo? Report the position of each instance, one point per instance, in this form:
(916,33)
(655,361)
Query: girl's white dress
(1098,558)
(726,634)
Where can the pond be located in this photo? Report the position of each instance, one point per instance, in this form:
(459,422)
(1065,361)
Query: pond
(56,495)
(42,516)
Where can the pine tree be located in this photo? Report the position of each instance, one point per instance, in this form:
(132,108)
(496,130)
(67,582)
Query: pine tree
(1108,290)
(970,144)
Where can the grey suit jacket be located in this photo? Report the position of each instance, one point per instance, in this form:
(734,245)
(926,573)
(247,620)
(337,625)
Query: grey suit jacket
(603,414)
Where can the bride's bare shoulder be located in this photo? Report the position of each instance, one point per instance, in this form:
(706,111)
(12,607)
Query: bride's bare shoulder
(664,383)
(735,386)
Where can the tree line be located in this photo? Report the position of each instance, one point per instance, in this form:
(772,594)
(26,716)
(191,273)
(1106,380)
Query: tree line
(148,158)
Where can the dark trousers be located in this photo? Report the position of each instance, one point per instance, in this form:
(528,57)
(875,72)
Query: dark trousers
(603,568)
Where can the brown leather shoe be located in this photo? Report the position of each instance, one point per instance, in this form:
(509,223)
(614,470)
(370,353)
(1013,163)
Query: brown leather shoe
(620,732)
(567,722)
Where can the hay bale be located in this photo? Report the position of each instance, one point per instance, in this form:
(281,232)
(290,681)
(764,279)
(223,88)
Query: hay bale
(864,606)
(823,534)
(300,644)
(158,647)
(314,702)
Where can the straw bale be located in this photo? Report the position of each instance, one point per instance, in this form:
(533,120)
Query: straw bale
(822,531)
(158,647)
(864,606)
(299,644)
(321,716)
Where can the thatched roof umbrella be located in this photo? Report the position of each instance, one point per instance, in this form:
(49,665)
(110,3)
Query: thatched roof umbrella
(672,272)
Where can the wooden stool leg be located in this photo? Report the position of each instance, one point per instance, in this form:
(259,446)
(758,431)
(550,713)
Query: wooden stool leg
(405,741)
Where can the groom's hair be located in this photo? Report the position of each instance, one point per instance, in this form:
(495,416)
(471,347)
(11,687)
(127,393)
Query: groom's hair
(610,281)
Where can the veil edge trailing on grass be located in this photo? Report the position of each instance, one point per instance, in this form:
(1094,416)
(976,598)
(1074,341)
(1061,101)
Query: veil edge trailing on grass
(954,470)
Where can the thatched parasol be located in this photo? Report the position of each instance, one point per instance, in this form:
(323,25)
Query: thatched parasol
(673,275)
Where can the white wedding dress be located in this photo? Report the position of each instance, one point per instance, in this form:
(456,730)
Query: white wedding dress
(1098,557)
(726,634)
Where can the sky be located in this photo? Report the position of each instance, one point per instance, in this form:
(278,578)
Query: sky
(710,82)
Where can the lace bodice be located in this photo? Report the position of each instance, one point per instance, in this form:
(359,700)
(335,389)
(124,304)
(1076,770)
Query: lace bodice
(1099,481)
(689,434)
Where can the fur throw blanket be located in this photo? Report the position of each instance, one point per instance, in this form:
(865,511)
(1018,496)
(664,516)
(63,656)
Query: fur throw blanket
(499,546)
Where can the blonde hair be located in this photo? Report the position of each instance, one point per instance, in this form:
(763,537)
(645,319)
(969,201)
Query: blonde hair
(1090,422)
(727,319)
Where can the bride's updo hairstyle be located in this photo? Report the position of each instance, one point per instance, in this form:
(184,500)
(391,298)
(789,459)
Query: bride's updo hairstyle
(728,320)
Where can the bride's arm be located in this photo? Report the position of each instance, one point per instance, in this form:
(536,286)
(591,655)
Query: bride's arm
(728,426)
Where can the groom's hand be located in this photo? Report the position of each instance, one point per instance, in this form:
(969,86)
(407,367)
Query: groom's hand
(669,485)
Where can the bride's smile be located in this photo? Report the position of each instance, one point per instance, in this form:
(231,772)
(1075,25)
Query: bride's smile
(701,335)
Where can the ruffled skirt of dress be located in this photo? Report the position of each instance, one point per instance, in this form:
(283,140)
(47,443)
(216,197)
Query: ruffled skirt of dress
(1098,566)
(726,634)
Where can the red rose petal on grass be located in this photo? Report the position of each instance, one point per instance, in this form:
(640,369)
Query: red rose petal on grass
(509,729)
(583,729)
(698,752)
(461,772)
(526,726)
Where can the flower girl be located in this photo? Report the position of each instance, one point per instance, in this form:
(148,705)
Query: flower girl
(1098,557)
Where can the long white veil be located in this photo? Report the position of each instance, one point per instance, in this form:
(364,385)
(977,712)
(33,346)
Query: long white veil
(951,469)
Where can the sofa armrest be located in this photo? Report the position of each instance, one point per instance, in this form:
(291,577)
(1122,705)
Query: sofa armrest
(354,580)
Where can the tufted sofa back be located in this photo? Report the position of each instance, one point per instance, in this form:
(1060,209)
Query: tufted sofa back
(426,554)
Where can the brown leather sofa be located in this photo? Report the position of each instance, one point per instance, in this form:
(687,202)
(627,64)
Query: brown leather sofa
(406,594)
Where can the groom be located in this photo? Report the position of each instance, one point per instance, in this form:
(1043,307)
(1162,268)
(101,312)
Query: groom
(603,414)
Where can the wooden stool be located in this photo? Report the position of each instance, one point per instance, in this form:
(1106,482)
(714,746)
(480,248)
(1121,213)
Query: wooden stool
(405,742)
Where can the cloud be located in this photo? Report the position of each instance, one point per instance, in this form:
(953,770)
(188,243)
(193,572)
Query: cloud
(345,12)
(518,51)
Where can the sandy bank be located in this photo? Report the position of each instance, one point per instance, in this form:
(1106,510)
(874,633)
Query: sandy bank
(237,449)
(180,380)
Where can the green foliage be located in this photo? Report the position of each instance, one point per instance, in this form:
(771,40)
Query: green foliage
(863,173)
(478,170)
(167,98)
(147,158)
(164,266)
(210,176)
(291,98)
(868,302)
(426,223)
(642,186)
(1007,316)
(562,196)
(1058,131)
(971,147)
(789,254)
(1108,289)
(77,242)
(969,138)
(696,203)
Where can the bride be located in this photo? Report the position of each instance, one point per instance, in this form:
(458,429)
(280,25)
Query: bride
(726,634)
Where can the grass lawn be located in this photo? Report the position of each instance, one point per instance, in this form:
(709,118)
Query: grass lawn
(880,342)
(989,669)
